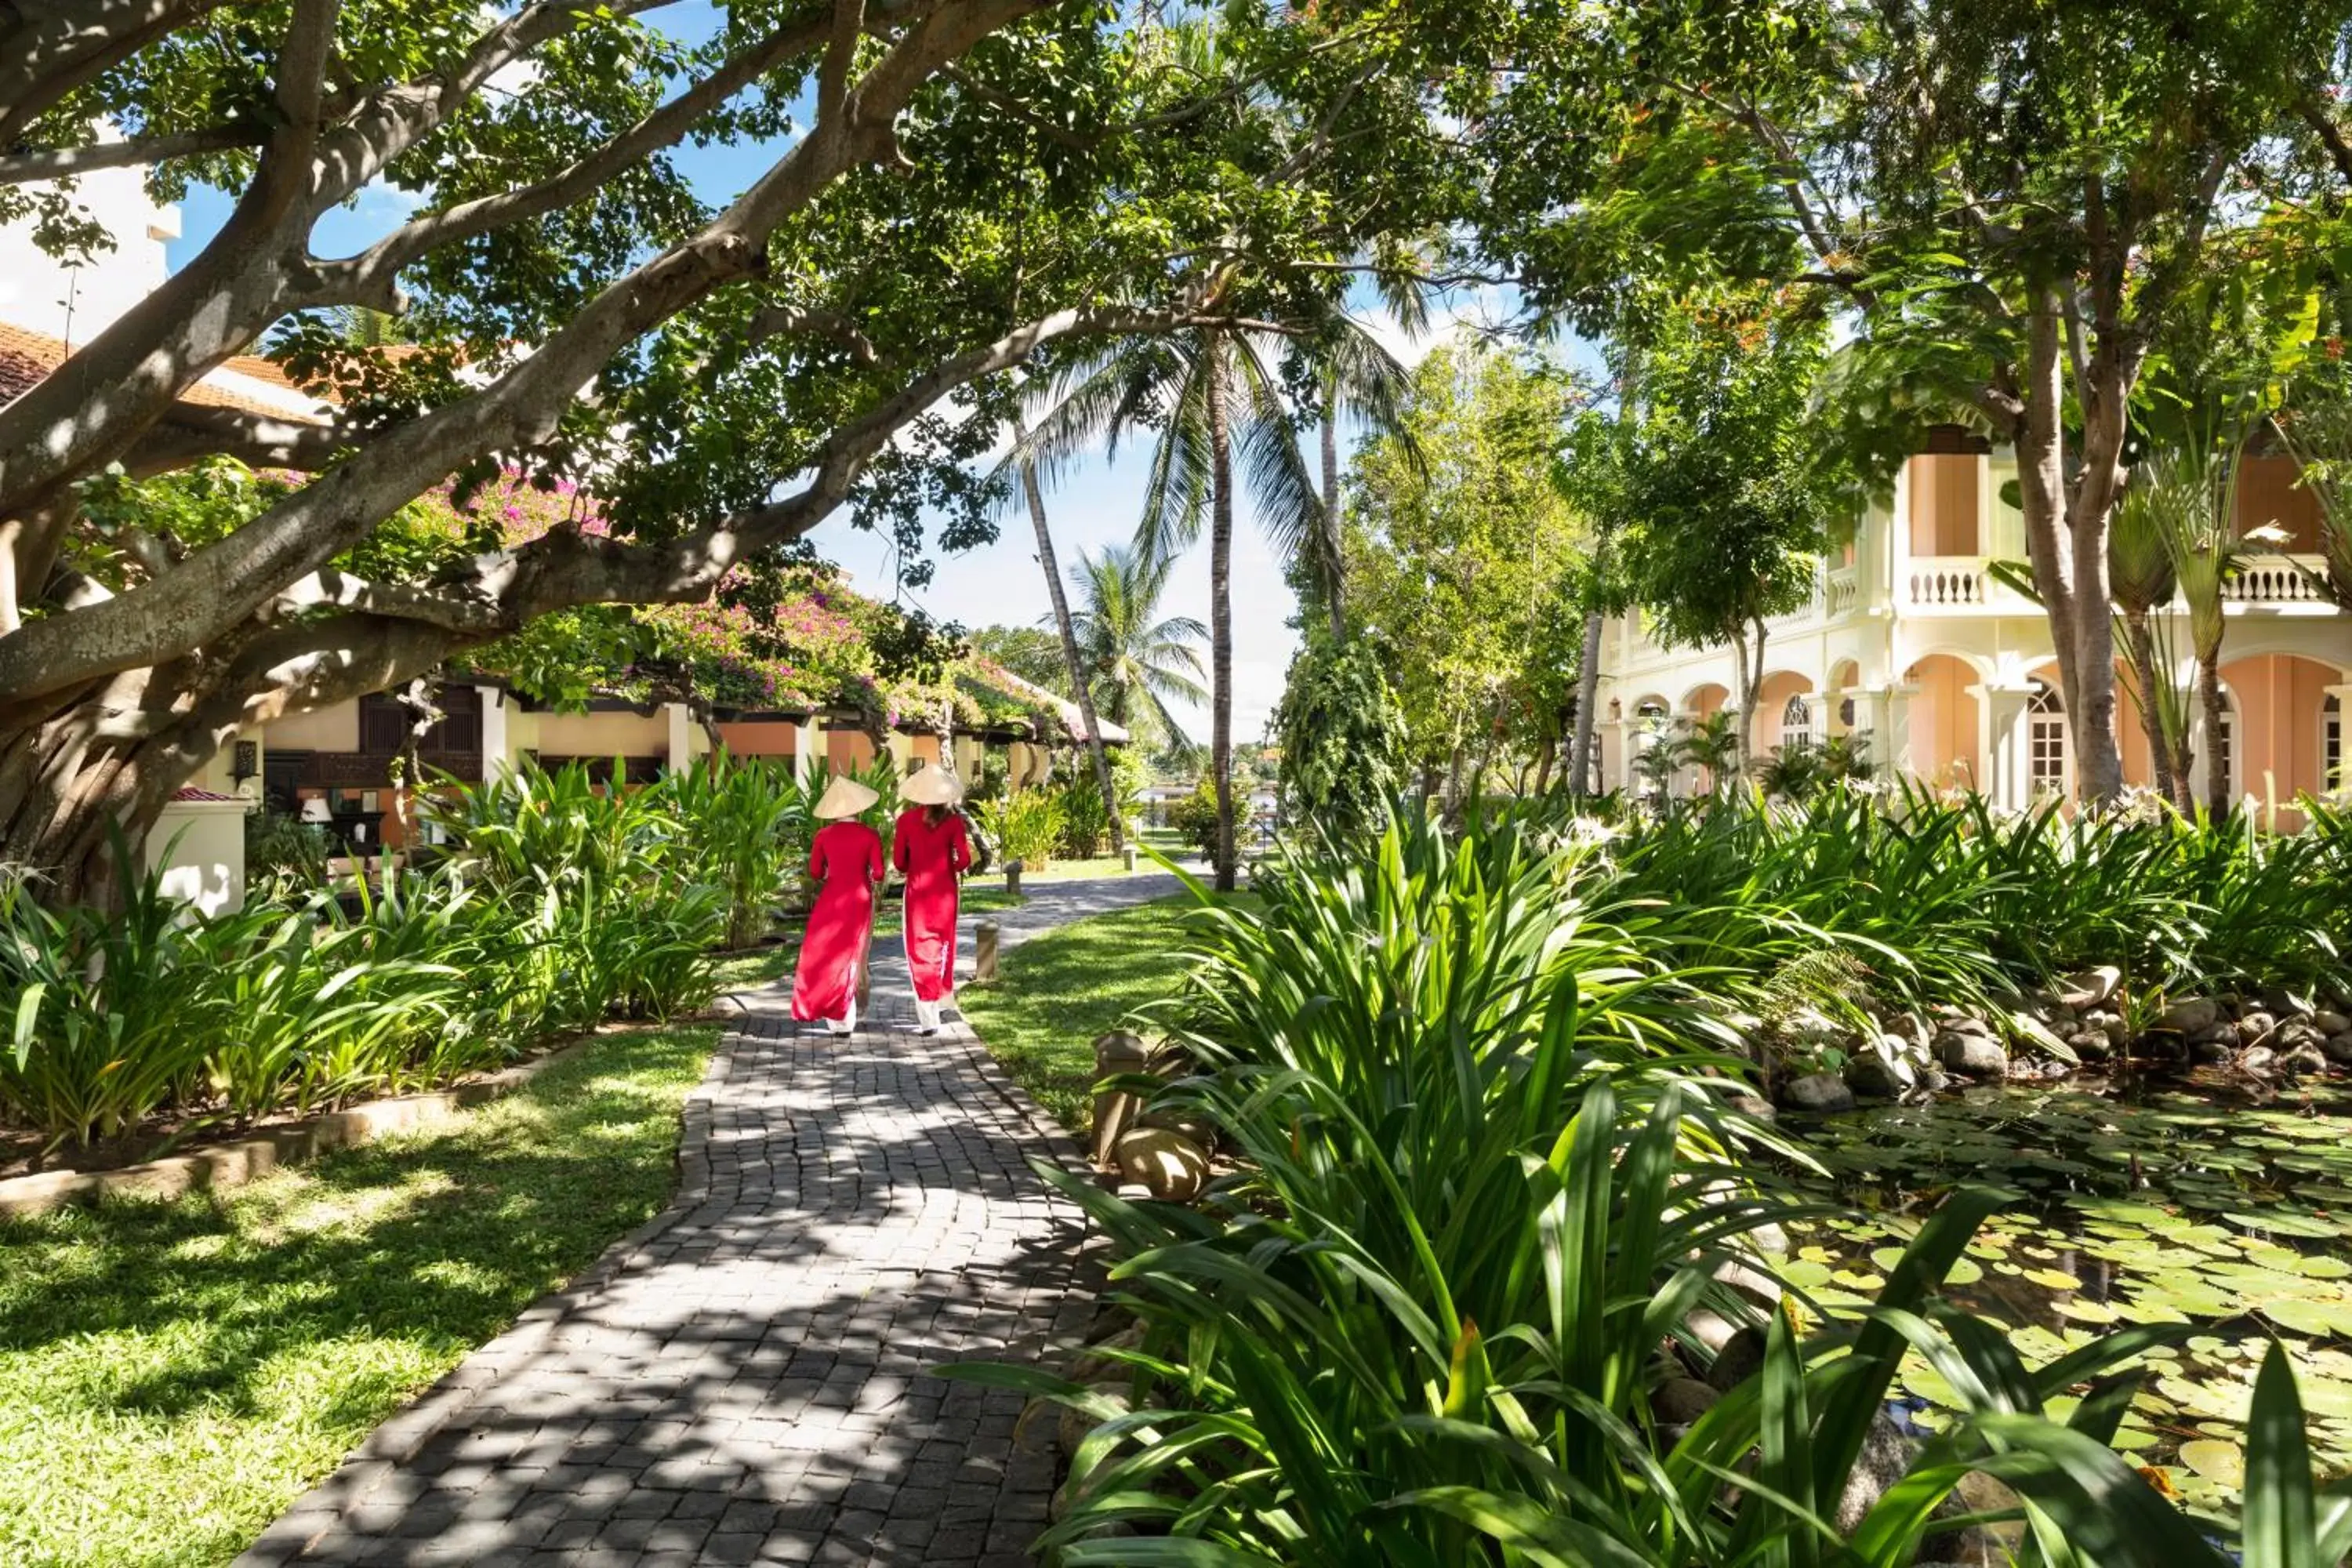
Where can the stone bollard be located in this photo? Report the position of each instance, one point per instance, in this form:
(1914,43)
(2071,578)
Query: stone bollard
(1012,877)
(1116,1109)
(983,953)
(1131,857)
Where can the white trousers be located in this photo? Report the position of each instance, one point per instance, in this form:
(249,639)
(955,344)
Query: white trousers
(926,1014)
(848,1024)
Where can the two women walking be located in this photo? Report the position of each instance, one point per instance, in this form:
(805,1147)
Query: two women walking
(931,849)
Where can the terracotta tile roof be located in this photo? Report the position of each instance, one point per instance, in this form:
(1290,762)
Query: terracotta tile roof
(27,357)
(194,794)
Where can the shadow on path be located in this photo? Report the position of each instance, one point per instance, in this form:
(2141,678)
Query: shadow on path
(743,1379)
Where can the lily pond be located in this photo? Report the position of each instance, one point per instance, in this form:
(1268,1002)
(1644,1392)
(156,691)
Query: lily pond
(2227,1216)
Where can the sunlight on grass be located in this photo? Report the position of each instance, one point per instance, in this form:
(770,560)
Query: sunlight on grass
(1060,990)
(171,1375)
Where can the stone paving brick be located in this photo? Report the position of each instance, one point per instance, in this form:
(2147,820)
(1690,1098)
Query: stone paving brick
(745,1379)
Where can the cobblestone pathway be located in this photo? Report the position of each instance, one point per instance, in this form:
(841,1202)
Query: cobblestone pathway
(743,1381)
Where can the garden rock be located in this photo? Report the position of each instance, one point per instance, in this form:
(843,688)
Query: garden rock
(1886,1458)
(2258,1059)
(1876,1076)
(1741,1358)
(2211,1047)
(2190,1016)
(1169,1165)
(2090,988)
(1972,1054)
(1076,1425)
(2256,1026)
(1756,1285)
(1710,1329)
(1679,1401)
(2331,1024)
(2091,1045)
(1190,1126)
(1817,1091)
(2298,1034)
(2339,1048)
(2304,1060)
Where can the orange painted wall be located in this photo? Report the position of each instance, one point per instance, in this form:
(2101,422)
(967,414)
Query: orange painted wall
(2279,697)
(1708,700)
(1943,719)
(2267,493)
(1944,488)
(758,738)
(847,751)
(926,748)
(1773,696)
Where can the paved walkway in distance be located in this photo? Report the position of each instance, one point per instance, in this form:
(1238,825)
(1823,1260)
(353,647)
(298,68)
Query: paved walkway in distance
(743,1379)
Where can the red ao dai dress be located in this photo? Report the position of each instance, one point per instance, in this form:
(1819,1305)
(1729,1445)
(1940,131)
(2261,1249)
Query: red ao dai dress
(932,855)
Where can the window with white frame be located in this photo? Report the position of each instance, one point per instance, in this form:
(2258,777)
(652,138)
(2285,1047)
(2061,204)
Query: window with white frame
(2225,745)
(1796,723)
(2046,739)
(2331,745)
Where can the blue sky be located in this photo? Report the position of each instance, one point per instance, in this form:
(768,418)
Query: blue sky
(1000,584)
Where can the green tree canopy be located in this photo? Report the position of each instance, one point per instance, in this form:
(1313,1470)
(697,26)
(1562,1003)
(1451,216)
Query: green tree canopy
(1460,554)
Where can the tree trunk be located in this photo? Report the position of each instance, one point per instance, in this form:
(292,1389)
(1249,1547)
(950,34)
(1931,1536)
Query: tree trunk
(1081,689)
(1334,587)
(1544,757)
(1221,611)
(2067,541)
(2218,796)
(1588,696)
(1750,660)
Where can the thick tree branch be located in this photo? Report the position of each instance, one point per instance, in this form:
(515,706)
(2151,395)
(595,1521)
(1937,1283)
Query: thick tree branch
(371,275)
(57,46)
(65,163)
(223,584)
(195,431)
(788,320)
(2322,121)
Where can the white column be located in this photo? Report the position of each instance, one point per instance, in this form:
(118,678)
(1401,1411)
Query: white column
(2002,743)
(498,754)
(681,735)
(1885,712)
(807,743)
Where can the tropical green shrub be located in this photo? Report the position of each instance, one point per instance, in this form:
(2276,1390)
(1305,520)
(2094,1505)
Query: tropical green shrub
(1195,816)
(284,853)
(744,828)
(558,904)
(109,1017)
(1343,739)
(1946,900)
(1026,825)
(1483,1169)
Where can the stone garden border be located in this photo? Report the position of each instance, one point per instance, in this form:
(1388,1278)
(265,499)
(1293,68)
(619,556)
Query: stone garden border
(224,1165)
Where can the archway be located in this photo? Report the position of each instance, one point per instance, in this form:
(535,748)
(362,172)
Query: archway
(1942,724)
(1784,698)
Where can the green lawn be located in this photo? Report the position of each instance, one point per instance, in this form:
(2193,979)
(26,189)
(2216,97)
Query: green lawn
(1058,991)
(171,1375)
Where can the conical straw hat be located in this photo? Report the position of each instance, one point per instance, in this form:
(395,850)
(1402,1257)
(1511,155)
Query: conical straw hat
(931,785)
(844,796)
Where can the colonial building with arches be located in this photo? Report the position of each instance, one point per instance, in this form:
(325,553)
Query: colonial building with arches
(1915,645)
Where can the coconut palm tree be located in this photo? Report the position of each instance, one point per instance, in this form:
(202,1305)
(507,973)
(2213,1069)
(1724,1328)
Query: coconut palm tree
(1214,396)
(1081,689)
(1136,661)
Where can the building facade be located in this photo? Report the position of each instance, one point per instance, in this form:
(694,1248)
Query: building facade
(1913,644)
